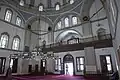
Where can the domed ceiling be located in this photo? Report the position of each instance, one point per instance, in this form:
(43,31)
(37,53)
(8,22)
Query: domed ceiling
(46,3)
(49,5)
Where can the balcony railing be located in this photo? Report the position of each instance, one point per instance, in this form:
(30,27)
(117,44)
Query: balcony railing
(79,41)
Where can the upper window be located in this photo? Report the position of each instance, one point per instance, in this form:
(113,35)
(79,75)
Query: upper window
(22,2)
(71,1)
(74,20)
(18,21)
(8,15)
(40,7)
(66,22)
(4,41)
(16,43)
(57,7)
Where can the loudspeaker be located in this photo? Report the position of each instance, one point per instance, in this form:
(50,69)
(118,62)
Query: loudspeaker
(29,26)
(49,28)
(26,49)
(85,18)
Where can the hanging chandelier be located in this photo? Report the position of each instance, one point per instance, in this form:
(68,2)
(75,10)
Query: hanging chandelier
(40,51)
(37,51)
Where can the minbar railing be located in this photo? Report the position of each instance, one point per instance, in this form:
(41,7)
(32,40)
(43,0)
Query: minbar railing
(79,41)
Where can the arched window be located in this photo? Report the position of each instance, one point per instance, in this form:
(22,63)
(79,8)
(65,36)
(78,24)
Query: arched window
(18,21)
(59,25)
(16,43)
(22,2)
(8,15)
(74,20)
(66,22)
(41,7)
(4,40)
(71,1)
(57,6)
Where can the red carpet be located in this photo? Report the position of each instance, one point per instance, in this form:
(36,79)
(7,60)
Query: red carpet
(58,77)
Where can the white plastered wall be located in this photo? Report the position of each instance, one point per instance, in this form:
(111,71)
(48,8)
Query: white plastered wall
(81,53)
(12,30)
(36,39)
(101,14)
(105,51)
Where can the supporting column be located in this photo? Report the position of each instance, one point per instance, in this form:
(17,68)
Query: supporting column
(87,29)
(25,64)
(90,61)
(27,40)
(19,69)
(70,20)
(49,38)
(114,35)
(50,65)
(6,65)
(87,26)
(52,37)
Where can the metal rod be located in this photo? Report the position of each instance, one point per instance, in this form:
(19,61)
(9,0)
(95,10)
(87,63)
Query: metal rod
(96,12)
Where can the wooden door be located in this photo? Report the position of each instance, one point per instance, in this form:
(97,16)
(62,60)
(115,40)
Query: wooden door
(106,64)
(36,68)
(2,64)
(43,66)
(30,68)
(103,64)
(15,65)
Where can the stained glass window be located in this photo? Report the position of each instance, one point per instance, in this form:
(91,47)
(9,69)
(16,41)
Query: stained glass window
(16,44)
(18,21)
(4,41)
(8,15)
(41,8)
(66,22)
(74,20)
(57,7)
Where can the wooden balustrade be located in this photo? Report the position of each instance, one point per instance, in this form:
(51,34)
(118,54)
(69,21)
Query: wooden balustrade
(82,40)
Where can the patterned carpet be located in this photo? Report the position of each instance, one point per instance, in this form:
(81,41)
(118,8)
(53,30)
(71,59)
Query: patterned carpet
(54,77)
